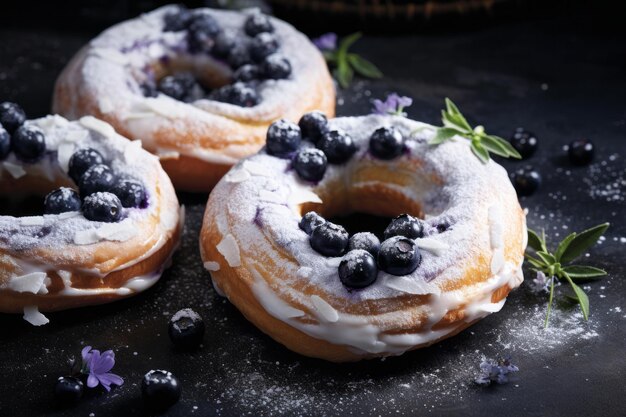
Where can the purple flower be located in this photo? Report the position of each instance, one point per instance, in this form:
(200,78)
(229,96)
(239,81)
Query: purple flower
(393,104)
(541,283)
(98,366)
(492,371)
(326,42)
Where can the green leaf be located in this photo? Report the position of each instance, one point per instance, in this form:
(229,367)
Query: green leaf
(563,246)
(494,146)
(344,74)
(364,67)
(535,262)
(584,272)
(550,300)
(535,242)
(547,257)
(583,300)
(583,241)
(447,123)
(454,115)
(503,143)
(347,42)
(480,152)
(443,134)
(330,56)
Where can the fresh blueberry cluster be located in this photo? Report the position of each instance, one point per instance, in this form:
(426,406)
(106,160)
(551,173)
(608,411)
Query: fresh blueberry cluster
(104,195)
(253,58)
(363,253)
(323,145)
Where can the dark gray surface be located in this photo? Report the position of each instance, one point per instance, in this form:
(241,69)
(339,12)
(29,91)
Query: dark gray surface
(550,77)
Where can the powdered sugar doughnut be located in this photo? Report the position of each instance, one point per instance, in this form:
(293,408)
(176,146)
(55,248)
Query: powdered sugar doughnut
(115,77)
(430,278)
(113,244)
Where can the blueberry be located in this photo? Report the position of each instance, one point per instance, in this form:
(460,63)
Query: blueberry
(186,329)
(149,88)
(12,116)
(310,164)
(177,21)
(68,390)
(329,239)
(386,143)
(313,125)
(366,241)
(222,44)
(130,192)
(102,207)
(203,28)
(405,225)
(160,390)
(310,221)
(28,144)
(262,45)
(181,86)
(247,73)
(276,67)
(5,143)
(62,200)
(283,138)
(580,152)
(526,181)
(239,94)
(257,23)
(524,142)
(399,255)
(96,178)
(82,160)
(358,269)
(239,56)
(337,145)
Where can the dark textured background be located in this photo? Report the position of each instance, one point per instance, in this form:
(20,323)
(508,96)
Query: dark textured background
(562,77)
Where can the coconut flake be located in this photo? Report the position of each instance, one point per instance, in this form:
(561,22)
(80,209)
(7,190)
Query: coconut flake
(32,221)
(301,195)
(28,283)
(255,168)
(237,175)
(118,232)
(34,317)
(105,105)
(16,171)
(304,272)
(431,245)
(211,266)
(411,285)
(327,312)
(97,125)
(64,154)
(230,250)
(86,237)
(131,151)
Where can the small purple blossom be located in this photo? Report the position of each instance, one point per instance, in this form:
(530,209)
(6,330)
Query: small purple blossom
(326,42)
(394,104)
(492,371)
(541,283)
(97,366)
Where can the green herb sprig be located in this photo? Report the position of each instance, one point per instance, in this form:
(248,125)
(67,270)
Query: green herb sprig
(347,63)
(482,144)
(558,265)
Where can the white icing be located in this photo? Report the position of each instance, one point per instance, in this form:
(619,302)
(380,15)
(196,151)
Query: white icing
(496,238)
(34,317)
(229,248)
(410,285)
(97,125)
(211,266)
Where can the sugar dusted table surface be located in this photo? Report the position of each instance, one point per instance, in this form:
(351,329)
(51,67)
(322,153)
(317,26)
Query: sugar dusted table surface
(544,76)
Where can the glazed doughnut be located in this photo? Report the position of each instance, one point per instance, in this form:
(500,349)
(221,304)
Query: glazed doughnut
(113,244)
(448,260)
(124,77)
